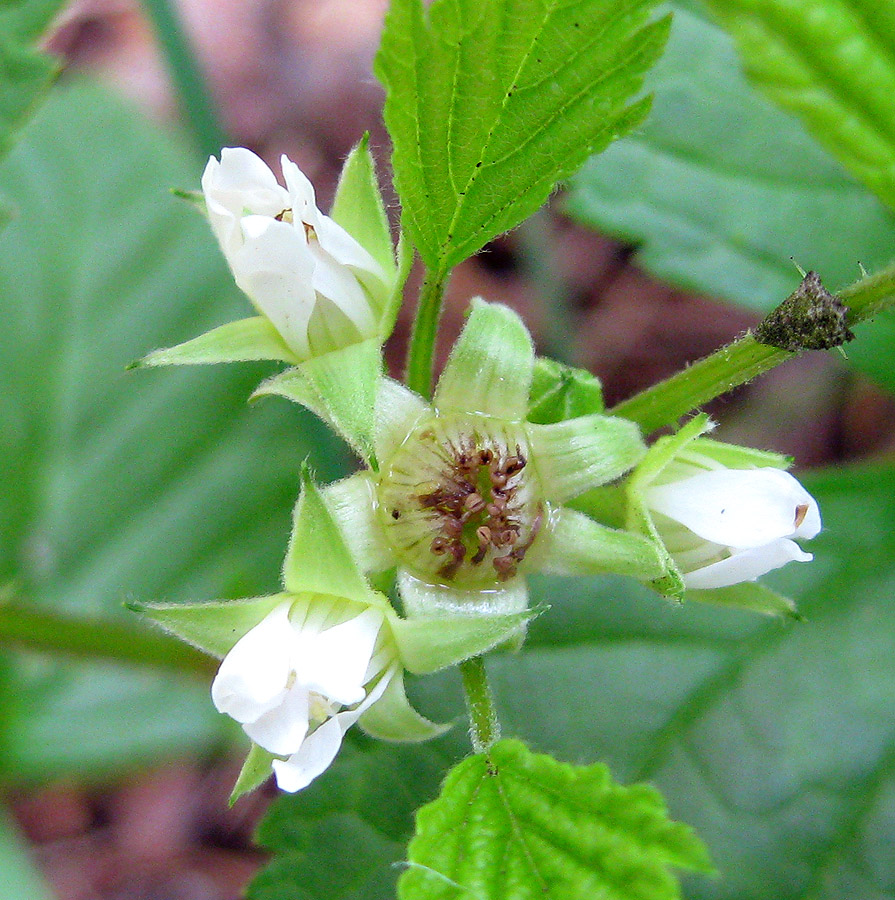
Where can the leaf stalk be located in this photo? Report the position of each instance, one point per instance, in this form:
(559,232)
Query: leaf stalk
(421,353)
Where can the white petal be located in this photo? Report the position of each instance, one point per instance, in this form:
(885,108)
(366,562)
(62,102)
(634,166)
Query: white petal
(746,565)
(283,729)
(334,662)
(240,184)
(343,248)
(320,749)
(311,760)
(275,270)
(738,507)
(338,283)
(301,192)
(252,678)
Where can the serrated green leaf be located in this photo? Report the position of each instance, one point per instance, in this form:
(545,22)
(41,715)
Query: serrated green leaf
(511,823)
(719,190)
(489,104)
(831,63)
(116,485)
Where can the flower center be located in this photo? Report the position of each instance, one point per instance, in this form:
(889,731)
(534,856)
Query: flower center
(460,502)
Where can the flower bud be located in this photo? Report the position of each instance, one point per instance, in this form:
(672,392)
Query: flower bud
(319,288)
(724,525)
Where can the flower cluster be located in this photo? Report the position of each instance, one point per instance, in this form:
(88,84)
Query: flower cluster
(513,467)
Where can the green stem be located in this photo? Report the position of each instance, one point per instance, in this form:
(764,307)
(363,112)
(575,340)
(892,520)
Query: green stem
(188,80)
(421,353)
(484,729)
(51,633)
(664,403)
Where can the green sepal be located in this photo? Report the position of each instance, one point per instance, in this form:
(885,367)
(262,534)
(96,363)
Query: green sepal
(559,392)
(428,644)
(340,387)
(318,559)
(490,366)
(393,303)
(748,595)
(607,504)
(196,199)
(577,545)
(255,771)
(213,627)
(358,207)
(664,450)
(392,718)
(732,456)
(246,340)
(352,502)
(579,454)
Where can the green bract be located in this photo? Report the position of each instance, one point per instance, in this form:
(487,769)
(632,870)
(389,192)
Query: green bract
(466,496)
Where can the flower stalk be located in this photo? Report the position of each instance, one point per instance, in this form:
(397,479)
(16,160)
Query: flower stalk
(484,728)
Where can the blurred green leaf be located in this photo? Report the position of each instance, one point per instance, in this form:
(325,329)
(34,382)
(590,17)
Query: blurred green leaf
(489,104)
(344,838)
(774,740)
(25,73)
(20,876)
(833,65)
(720,191)
(115,485)
(511,823)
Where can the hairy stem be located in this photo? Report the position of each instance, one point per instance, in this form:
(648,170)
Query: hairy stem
(484,729)
(113,641)
(188,80)
(421,353)
(664,403)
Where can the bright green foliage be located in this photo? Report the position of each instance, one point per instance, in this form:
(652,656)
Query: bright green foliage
(490,103)
(119,485)
(832,62)
(719,190)
(511,823)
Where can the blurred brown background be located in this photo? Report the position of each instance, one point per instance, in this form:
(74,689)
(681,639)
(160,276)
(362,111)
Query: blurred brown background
(294,77)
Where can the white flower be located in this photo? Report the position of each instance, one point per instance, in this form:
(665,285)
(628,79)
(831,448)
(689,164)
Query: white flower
(300,678)
(316,284)
(724,526)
